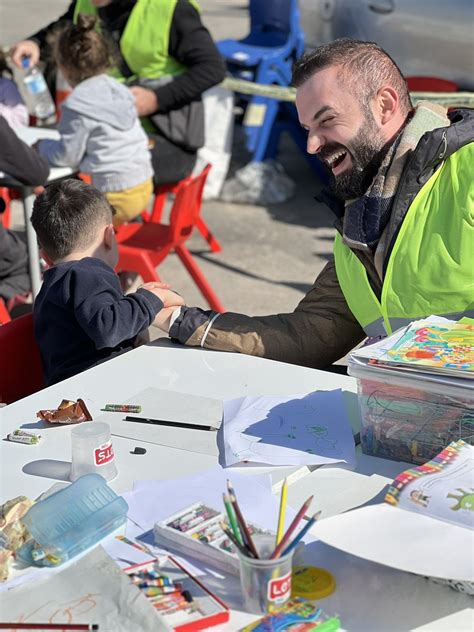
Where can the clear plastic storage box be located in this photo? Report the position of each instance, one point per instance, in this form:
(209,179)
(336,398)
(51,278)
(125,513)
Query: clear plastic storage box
(72,520)
(411,417)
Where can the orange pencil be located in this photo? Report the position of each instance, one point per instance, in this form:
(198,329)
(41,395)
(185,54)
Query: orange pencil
(284,541)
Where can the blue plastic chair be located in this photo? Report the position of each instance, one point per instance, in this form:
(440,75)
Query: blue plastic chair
(265,56)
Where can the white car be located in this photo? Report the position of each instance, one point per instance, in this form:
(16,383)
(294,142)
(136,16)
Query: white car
(425,37)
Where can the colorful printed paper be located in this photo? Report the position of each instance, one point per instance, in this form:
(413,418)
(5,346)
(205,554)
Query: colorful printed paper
(442,488)
(437,346)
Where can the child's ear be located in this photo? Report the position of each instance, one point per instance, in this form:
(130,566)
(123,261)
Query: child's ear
(109,236)
(47,258)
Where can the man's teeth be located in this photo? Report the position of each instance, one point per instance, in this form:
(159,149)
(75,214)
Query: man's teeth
(332,159)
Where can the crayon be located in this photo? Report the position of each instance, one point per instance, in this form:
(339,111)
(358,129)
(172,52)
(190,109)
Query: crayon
(122,408)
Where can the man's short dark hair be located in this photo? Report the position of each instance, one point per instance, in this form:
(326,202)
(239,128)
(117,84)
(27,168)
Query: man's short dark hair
(67,216)
(365,68)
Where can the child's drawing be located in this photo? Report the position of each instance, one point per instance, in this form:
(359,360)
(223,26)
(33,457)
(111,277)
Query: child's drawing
(310,425)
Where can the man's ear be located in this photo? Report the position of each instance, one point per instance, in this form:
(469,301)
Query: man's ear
(109,236)
(387,104)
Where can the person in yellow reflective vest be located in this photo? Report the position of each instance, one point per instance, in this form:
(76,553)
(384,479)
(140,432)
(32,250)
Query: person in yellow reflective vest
(157,40)
(401,186)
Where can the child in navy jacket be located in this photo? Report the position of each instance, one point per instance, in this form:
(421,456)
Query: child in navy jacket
(81,315)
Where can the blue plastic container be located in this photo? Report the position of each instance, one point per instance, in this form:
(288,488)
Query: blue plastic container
(72,520)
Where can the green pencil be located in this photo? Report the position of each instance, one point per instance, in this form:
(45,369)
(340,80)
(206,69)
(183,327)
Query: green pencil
(232,519)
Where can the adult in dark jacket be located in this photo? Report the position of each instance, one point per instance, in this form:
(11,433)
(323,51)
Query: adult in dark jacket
(184,51)
(27,166)
(403,195)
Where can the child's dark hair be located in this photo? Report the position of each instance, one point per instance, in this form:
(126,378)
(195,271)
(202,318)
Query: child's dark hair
(67,216)
(82,50)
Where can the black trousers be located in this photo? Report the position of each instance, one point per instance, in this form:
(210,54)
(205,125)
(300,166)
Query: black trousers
(171,163)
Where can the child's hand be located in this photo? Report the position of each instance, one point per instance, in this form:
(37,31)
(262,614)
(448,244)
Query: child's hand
(162,291)
(162,319)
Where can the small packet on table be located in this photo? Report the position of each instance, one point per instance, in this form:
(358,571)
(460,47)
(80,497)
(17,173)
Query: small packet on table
(68,412)
(298,615)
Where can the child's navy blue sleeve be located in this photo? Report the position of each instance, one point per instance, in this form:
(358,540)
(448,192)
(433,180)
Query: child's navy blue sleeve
(105,315)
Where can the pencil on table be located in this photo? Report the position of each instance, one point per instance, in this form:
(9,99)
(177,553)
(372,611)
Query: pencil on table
(282,512)
(284,541)
(302,533)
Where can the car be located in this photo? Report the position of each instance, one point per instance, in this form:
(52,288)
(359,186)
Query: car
(425,37)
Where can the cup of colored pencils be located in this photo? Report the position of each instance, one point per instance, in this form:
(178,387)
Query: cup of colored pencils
(265,560)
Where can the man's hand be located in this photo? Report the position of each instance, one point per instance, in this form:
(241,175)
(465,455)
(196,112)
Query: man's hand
(162,319)
(162,291)
(26,48)
(145,100)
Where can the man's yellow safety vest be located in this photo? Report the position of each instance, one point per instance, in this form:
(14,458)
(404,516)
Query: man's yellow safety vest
(431,267)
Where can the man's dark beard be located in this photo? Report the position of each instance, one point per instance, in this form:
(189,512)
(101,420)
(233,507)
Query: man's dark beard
(367,150)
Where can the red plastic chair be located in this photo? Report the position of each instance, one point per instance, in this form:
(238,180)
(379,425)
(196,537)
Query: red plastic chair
(161,195)
(5,203)
(4,313)
(144,246)
(431,84)
(21,371)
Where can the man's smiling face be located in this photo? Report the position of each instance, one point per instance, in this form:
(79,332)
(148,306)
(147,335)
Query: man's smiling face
(344,134)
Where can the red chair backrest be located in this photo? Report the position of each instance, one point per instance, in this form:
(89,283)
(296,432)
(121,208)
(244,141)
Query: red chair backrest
(21,371)
(187,206)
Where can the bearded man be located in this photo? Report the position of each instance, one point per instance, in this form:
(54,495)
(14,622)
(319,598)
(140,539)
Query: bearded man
(401,189)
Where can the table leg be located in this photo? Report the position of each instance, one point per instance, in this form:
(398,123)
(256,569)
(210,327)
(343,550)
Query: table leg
(33,251)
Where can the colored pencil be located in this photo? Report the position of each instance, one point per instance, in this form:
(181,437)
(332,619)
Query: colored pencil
(284,541)
(302,533)
(49,626)
(232,519)
(247,538)
(282,512)
(234,541)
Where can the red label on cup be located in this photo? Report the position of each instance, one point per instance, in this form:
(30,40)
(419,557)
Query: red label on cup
(279,589)
(104,454)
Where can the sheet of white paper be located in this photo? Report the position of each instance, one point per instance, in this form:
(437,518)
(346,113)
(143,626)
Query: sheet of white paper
(403,540)
(92,590)
(152,501)
(310,429)
(171,406)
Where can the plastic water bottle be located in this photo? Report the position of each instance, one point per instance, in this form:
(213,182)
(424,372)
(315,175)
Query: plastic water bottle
(36,94)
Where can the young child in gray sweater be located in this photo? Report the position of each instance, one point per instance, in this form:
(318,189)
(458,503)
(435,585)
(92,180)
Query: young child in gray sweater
(100,132)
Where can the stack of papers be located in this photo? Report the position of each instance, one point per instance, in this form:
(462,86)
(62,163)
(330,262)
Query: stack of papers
(434,347)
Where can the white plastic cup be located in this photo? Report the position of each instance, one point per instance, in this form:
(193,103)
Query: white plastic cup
(266,583)
(92,451)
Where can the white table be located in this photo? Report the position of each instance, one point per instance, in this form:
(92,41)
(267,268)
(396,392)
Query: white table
(30,135)
(369,597)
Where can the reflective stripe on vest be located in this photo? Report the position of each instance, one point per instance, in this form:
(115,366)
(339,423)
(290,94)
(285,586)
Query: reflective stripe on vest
(145,40)
(431,266)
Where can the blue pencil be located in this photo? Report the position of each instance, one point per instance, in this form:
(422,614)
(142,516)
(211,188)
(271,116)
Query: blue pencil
(302,533)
